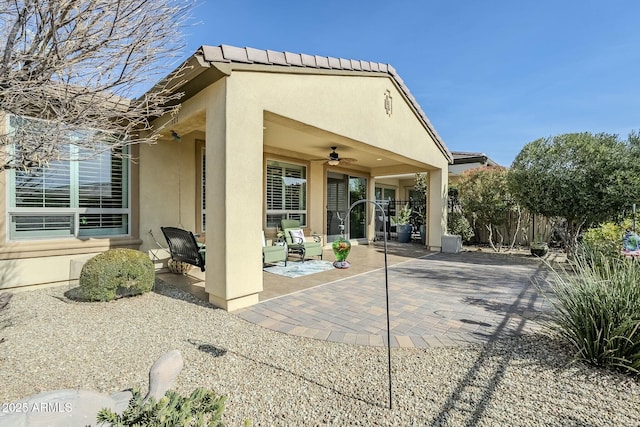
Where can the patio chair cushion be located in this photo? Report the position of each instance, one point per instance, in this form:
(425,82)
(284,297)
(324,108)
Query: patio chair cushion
(272,254)
(297,236)
(305,249)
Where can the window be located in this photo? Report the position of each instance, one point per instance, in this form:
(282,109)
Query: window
(385,194)
(70,198)
(286,193)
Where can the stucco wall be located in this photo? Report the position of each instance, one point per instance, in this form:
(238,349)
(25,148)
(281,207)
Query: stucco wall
(167,188)
(52,270)
(459,169)
(349,106)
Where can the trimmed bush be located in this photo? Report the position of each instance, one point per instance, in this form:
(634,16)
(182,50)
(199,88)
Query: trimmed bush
(116,272)
(458,224)
(598,311)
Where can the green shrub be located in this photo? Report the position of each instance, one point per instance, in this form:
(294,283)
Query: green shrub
(201,408)
(598,311)
(120,272)
(458,224)
(604,240)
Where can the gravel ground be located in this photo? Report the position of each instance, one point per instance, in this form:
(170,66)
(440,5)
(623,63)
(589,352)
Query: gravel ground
(274,379)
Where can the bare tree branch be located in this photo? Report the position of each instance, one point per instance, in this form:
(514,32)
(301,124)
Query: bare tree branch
(83,64)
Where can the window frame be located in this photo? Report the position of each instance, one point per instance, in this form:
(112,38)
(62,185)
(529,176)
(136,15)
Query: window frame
(74,211)
(384,187)
(287,213)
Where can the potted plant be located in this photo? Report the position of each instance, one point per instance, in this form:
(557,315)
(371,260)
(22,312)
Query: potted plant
(403,225)
(280,238)
(539,249)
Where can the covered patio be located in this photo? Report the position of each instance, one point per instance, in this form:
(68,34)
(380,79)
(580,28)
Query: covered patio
(265,136)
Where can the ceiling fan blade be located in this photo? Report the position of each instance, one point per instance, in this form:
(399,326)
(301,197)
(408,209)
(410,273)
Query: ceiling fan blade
(334,157)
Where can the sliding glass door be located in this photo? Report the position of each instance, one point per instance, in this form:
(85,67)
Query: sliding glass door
(342,191)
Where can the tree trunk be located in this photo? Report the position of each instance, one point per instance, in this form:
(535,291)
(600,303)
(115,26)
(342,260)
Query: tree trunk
(515,235)
(573,231)
(500,239)
(490,228)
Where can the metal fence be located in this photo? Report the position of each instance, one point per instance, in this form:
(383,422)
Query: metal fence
(393,208)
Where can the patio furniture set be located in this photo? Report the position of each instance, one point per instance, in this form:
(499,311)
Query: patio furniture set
(185,248)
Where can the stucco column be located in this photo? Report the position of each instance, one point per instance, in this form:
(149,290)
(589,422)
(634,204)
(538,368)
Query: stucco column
(234,202)
(316,184)
(437,209)
(372,210)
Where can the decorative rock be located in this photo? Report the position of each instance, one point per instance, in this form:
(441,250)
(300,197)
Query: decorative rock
(71,408)
(62,408)
(5,297)
(163,373)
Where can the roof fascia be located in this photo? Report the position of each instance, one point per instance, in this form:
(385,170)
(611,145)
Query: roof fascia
(474,159)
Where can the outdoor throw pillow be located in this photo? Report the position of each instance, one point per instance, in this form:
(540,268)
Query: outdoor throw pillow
(297,236)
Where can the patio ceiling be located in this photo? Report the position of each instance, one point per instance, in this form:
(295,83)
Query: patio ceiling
(290,138)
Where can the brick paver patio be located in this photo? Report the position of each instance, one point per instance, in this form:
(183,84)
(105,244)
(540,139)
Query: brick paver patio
(436,300)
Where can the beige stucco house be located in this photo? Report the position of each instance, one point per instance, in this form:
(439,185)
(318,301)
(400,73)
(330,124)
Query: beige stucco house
(248,148)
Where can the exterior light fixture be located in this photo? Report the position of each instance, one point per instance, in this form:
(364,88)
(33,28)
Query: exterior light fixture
(334,159)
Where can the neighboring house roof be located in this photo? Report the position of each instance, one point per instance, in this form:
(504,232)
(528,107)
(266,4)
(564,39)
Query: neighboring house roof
(462,157)
(246,55)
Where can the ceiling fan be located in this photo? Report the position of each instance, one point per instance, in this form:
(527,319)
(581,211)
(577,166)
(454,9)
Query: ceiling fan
(334,158)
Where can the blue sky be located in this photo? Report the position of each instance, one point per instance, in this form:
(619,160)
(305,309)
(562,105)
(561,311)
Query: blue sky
(490,75)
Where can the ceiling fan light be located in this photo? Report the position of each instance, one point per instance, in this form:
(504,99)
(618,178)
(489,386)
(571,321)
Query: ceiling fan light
(334,162)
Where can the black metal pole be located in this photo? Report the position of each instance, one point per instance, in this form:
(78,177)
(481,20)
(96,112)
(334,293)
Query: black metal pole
(386,286)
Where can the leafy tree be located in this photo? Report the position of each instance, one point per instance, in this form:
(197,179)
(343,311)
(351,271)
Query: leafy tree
(420,199)
(78,64)
(457,222)
(484,196)
(584,178)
